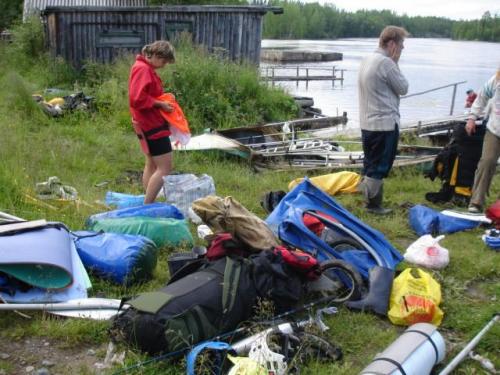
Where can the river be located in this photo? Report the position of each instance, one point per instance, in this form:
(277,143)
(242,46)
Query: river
(426,63)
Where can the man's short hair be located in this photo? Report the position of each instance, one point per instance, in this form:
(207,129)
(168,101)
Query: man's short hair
(396,33)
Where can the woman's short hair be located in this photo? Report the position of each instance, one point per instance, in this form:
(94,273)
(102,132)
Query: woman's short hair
(396,33)
(160,48)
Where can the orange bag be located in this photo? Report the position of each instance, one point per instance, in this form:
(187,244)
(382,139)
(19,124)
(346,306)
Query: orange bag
(179,127)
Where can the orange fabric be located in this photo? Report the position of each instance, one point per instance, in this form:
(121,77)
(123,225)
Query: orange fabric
(175,118)
(144,86)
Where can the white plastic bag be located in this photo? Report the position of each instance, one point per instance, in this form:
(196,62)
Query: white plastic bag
(183,189)
(427,252)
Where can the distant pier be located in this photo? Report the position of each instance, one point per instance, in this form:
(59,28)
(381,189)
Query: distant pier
(277,55)
(298,73)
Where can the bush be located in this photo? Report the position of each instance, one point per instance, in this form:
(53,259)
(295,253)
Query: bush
(213,91)
(216,92)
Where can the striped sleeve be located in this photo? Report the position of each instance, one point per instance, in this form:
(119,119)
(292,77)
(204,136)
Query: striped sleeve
(484,95)
(396,80)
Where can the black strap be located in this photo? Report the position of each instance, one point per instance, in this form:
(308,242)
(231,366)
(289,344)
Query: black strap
(160,128)
(395,363)
(430,340)
(55,225)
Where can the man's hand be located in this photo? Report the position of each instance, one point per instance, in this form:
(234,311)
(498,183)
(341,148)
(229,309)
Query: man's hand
(470,127)
(395,50)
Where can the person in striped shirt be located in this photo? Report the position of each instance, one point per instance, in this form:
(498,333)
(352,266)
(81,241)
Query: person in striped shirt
(380,85)
(490,92)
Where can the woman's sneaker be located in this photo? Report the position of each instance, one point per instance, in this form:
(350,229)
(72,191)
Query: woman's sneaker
(475,209)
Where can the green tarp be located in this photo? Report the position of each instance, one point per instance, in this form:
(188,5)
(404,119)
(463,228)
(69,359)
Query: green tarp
(162,231)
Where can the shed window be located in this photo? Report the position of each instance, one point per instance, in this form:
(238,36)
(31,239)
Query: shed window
(174,28)
(120,38)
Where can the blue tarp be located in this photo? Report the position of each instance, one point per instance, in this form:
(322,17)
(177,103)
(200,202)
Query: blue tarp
(121,200)
(287,222)
(122,258)
(147,210)
(425,220)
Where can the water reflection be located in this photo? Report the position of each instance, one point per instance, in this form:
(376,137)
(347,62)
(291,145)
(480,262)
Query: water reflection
(427,63)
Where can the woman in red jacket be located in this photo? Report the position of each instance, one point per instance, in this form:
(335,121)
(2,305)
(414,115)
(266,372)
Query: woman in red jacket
(152,130)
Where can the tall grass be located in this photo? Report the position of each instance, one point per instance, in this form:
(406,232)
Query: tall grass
(94,151)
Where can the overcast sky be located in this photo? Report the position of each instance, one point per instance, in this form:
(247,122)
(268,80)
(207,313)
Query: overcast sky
(454,9)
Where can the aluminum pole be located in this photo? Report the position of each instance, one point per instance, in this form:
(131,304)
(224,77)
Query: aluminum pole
(465,351)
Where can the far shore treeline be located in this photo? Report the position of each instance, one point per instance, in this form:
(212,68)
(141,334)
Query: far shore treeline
(316,21)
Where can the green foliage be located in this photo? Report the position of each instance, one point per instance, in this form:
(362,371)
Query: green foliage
(487,29)
(11,12)
(316,21)
(27,55)
(27,41)
(213,91)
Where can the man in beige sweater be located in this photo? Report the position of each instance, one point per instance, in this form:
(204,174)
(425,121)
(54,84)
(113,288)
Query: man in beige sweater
(380,85)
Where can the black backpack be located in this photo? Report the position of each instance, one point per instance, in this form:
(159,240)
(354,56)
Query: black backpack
(214,299)
(455,166)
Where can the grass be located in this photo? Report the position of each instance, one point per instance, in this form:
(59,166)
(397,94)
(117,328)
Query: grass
(87,149)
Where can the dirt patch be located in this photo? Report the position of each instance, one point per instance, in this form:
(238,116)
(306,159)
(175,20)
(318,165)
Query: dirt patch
(31,356)
(474,290)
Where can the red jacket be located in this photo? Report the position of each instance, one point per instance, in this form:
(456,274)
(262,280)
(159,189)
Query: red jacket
(144,86)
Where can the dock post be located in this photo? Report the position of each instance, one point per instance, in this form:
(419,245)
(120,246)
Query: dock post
(298,74)
(307,78)
(342,77)
(453,99)
(333,76)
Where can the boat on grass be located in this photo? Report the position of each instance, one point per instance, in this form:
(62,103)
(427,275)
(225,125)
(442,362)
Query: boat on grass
(298,144)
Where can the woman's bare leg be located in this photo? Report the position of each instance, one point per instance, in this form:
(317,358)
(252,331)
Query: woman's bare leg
(149,169)
(163,164)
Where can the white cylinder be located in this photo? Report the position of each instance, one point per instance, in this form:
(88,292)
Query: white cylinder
(415,352)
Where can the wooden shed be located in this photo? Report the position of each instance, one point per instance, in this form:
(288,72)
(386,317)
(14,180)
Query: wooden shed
(34,7)
(100,34)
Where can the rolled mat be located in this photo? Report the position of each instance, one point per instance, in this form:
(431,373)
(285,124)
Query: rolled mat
(40,257)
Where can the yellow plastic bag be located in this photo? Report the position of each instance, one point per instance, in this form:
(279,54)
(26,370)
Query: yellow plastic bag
(415,298)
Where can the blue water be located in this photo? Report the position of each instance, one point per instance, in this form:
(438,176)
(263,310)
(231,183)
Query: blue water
(426,63)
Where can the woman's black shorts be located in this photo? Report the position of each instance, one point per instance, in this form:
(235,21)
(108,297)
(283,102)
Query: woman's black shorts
(159,146)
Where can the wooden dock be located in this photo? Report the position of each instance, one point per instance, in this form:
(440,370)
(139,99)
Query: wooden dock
(431,127)
(287,73)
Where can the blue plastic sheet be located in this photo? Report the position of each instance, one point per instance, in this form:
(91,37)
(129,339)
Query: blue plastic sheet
(287,222)
(116,256)
(148,210)
(425,220)
(121,200)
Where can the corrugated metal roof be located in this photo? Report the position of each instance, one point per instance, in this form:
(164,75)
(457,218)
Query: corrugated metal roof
(33,6)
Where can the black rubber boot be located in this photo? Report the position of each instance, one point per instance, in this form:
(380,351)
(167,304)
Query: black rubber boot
(374,193)
(377,299)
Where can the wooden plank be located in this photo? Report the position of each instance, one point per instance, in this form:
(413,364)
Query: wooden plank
(300,78)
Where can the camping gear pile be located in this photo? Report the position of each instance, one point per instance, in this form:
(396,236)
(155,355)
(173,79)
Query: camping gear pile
(58,106)
(455,166)
(310,252)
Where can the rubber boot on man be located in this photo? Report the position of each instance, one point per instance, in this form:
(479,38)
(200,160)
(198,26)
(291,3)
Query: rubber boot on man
(373,191)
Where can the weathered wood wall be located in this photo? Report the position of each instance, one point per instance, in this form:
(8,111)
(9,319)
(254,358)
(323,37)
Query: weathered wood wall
(36,6)
(101,34)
